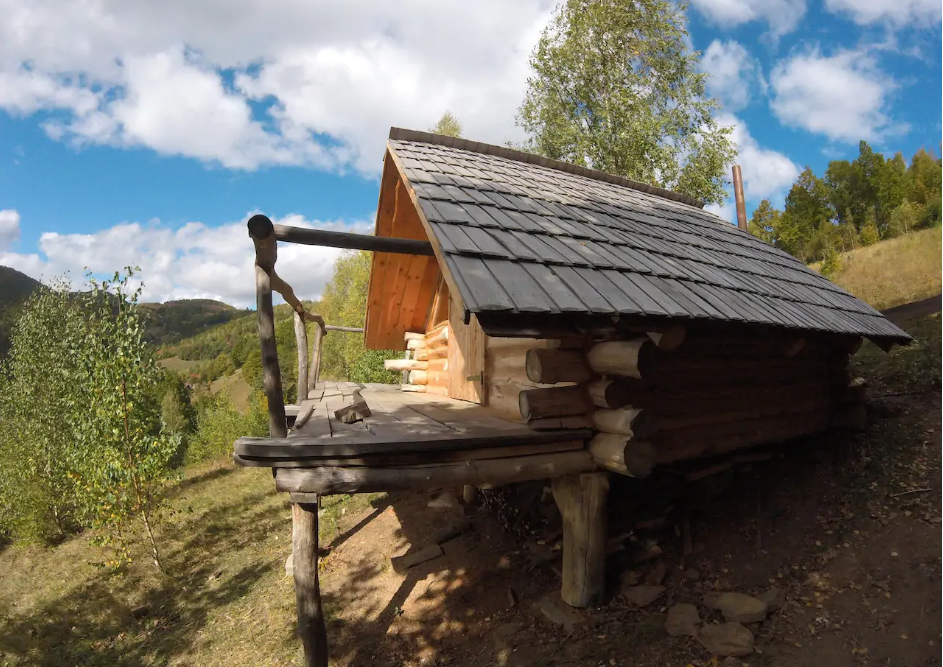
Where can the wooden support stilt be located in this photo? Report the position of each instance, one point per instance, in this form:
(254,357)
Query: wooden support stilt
(582,502)
(470,494)
(304,549)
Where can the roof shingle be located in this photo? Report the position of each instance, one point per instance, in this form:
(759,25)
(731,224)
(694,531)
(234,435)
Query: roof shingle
(524,237)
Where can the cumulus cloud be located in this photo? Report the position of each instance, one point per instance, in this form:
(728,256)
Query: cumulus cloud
(188,262)
(734,74)
(9,228)
(782,16)
(767,174)
(843,96)
(246,84)
(897,13)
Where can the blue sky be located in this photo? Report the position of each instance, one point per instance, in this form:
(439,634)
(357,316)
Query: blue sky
(136,135)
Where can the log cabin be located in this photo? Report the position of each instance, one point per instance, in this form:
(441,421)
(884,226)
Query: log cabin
(558,323)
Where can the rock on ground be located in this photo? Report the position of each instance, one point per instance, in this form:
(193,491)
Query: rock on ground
(737,607)
(726,639)
(774,598)
(557,612)
(682,620)
(643,595)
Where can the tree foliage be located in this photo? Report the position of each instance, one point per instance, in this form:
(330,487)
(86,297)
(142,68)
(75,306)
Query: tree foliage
(614,87)
(345,304)
(856,203)
(124,457)
(82,435)
(41,390)
(220,423)
(448,125)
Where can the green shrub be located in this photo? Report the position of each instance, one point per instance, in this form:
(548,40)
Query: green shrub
(220,424)
(905,218)
(869,234)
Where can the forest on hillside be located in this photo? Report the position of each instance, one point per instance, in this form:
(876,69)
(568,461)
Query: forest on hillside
(854,204)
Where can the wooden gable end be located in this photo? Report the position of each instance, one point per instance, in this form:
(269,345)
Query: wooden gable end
(402,287)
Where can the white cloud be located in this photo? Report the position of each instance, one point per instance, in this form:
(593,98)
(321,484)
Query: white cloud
(192,261)
(767,174)
(898,13)
(246,84)
(725,211)
(782,16)
(9,227)
(734,74)
(843,96)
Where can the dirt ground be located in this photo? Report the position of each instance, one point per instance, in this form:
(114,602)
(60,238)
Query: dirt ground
(847,526)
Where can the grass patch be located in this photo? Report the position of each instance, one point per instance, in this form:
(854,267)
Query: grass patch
(226,599)
(893,272)
(179,365)
(912,368)
(239,389)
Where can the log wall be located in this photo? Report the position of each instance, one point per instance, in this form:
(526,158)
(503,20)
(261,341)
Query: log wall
(506,375)
(658,399)
(427,368)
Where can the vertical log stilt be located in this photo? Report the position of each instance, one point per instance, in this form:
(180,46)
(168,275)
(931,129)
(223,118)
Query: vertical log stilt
(470,494)
(301,340)
(582,502)
(304,549)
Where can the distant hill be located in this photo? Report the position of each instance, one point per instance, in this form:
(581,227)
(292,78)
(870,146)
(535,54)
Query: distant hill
(15,287)
(233,337)
(172,321)
(167,322)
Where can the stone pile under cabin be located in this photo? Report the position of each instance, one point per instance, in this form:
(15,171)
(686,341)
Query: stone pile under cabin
(558,323)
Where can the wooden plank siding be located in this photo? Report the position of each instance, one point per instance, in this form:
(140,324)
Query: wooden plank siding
(401,286)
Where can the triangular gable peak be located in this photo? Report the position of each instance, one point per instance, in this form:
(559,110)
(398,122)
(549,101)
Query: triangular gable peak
(537,247)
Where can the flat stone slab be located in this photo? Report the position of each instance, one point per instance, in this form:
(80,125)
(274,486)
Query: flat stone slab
(683,620)
(737,607)
(774,598)
(558,612)
(642,595)
(725,639)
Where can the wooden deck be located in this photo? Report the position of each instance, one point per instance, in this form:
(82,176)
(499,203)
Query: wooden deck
(409,440)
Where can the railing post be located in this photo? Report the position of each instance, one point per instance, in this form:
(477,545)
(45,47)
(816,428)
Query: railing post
(311,626)
(263,236)
(301,339)
(314,370)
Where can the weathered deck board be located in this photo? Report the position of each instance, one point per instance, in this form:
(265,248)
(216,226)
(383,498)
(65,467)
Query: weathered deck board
(414,458)
(404,429)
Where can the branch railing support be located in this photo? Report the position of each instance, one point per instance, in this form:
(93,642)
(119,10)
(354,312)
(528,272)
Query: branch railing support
(265,236)
(311,626)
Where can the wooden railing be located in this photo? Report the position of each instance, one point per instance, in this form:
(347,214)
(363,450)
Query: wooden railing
(265,236)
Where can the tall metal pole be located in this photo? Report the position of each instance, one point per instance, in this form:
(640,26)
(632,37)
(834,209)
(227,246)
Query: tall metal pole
(738,195)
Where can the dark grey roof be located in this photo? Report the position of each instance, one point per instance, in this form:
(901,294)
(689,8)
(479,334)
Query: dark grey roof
(522,234)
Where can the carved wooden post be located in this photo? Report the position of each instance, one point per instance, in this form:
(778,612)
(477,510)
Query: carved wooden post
(304,549)
(304,516)
(263,236)
(301,340)
(582,502)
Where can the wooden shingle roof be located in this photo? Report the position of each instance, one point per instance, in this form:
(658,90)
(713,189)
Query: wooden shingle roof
(523,235)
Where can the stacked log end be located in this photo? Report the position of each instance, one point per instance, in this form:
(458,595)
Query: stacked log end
(669,396)
(427,371)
